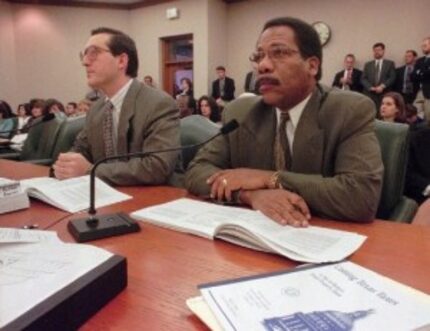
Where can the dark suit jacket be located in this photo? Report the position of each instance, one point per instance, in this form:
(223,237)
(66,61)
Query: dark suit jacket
(398,85)
(418,171)
(421,75)
(248,78)
(336,163)
(356,80)
(387,76)
(148,121)
(228,89)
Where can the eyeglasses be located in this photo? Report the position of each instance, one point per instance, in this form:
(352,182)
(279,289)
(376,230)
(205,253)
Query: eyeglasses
(92,52)
(278,53)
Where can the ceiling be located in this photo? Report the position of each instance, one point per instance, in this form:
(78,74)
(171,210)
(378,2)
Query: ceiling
(113,4)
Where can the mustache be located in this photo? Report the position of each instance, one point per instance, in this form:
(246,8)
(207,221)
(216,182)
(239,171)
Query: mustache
(267,80)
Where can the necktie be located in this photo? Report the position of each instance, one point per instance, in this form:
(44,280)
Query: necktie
(378,72)
(281,151)
(407,86)
(108,129)
(221,87)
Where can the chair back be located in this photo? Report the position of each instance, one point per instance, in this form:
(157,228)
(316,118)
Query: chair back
(67,135)
(41,140)
(195,129)
(394,142)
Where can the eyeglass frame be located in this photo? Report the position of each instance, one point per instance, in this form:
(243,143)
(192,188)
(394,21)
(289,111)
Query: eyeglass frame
(284,52)
(95,51)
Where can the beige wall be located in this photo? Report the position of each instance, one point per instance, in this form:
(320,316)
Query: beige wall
(47,43)
(149,24)
(39,44)
(7,55)
(356,25)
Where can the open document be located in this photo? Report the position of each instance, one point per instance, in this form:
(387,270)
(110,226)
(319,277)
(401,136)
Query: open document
(72,194)
(252,229)
(339,297)
(32,273)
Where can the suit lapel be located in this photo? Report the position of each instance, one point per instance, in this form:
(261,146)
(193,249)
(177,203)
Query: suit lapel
(260,128)
(308,145)
(127,113)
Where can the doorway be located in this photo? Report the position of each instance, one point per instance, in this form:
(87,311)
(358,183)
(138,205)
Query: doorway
(177,55)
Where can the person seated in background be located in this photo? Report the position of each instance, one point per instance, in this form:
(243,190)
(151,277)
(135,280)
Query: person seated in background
(148,81)
(83,107)
(6,120)
(131,118)
(187,89)
(415,122)
(71,108)
(185,105)
(37,110)
(301,147)
(392,108)
(23,115)
(207,107)
(417,181)
(53,106)
(350,77)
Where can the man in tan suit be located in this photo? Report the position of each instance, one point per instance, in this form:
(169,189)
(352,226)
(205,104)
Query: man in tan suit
(331,163)
(131,118)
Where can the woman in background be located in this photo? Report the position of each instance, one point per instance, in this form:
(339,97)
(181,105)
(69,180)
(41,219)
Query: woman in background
(23,113)
(53,106)
(393,108)
(207,107)
(7,123)
(37,109)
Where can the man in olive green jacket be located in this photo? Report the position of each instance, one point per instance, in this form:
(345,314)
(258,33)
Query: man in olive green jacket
(336,168)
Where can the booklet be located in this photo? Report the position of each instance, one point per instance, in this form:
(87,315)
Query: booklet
(250,228)
(342,296)
(71,195)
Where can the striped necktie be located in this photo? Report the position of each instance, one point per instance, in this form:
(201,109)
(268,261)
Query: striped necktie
(108,129)
(281,152)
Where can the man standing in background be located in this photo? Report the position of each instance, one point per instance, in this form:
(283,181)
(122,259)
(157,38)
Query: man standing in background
(350,77)
(421,76)
(223,88)
(378,75)
(404,84)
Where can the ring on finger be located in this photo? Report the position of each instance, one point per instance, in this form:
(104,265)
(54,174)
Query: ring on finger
(224,182)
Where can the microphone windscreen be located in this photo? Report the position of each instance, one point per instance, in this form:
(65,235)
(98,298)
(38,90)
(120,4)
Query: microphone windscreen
(48,117)
(229,127)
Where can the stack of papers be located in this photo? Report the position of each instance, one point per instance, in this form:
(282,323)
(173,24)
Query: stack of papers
(341,296)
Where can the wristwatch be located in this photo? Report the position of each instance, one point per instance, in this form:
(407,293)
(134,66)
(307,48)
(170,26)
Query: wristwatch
(275,181)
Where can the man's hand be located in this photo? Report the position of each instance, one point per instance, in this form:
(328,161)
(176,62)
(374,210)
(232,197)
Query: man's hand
(280,205)
(224,182)
(70,165)
(379,89)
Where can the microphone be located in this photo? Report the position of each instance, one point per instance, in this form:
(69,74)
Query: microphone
(96,227)
(46,118)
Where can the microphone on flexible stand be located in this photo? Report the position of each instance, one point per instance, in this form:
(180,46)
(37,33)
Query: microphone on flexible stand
(46,118)
(96,227)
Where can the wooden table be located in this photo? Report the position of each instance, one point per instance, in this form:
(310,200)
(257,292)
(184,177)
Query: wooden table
(165,267)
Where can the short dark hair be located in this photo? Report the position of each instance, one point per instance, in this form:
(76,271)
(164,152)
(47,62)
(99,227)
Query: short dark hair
(379,44)
(121,43)
(220,68)
(350,55)
(414,53)
(305,36)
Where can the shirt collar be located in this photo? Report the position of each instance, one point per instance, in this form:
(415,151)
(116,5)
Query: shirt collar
(295,112)
(119,96)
